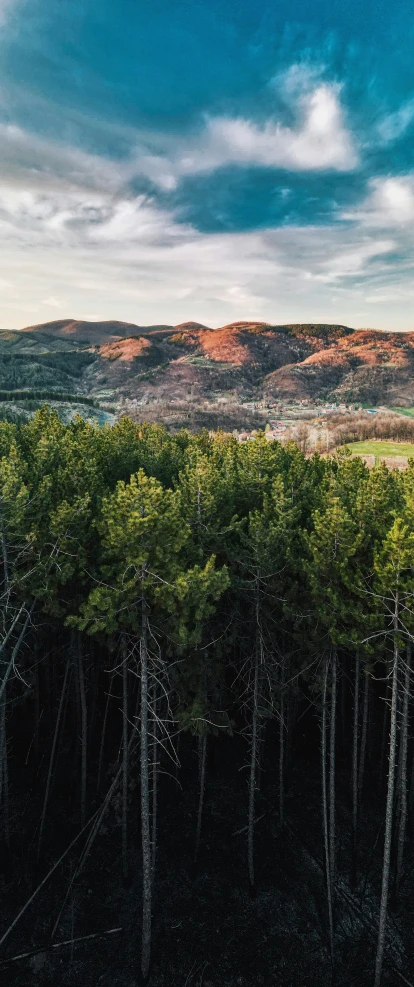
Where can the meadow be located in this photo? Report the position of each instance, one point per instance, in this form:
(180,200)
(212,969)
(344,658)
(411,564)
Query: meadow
(378,448)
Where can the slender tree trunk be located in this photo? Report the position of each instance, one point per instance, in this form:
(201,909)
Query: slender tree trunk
(52,756)
(15,651)
(102,744)
(355,770)
(154,770)
(344,684)
(282,757)
(389,805)
(260,759)
(125,867)
(145,802)
(403,769)
(253,765)
(291,709)
(384,731)
(84,725)
(36,707)
(332,743)
(47,692)
(94,679)
(363,736)
(203,757)
(325,808)
(3,729)
(4,773)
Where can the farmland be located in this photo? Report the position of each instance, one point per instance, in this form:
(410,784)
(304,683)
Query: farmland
(378,448)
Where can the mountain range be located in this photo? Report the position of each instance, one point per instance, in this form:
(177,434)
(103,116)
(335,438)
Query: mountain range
(241,361)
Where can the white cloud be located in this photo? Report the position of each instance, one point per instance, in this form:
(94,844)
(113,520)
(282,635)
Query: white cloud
(74,238)
(395,124)
(348,263)
(388,205)
(48,163)
(319,140)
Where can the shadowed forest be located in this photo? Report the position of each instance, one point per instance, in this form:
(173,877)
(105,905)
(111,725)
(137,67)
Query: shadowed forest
(206,748)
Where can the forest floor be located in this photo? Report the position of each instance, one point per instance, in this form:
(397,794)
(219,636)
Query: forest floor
(207,931)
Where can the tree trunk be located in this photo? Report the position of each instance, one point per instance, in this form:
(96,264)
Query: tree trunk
(102,744)
(384,730)
(4,771)
(282,758)
(344,684)
(154,769)
(363,736)
(16,648)
(36,707)
(355,770)
(389,805)
(52,756)
(325,808)
(124,758)
(203,757)
(332,740)
(253,764)
(84,725)
(145,802)
(403,769)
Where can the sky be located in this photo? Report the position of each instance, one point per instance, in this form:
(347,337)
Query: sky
(207,160)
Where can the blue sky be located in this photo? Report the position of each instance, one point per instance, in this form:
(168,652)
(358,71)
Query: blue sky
(207,159)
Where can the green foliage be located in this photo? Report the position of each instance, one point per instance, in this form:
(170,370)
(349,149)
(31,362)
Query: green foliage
(214,536)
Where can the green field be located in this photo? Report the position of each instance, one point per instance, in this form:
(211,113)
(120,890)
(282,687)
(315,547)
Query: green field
(404,411)
(377,449)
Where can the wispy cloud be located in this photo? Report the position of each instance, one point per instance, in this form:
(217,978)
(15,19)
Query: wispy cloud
(133,256)
(394,125)
(46,163)
(82,240)
(318,140)
(388,205)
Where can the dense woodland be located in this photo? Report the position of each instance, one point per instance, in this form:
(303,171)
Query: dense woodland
(167,600)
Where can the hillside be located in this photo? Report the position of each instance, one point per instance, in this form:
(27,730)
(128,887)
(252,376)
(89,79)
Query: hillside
(191,362)
(89,332)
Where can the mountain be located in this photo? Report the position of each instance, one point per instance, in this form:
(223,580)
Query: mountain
(192,362)
(91,332)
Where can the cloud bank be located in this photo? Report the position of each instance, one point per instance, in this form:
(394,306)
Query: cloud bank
(95,235)
(82,243)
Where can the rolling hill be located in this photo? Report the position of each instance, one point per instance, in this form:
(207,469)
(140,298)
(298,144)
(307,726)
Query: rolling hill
(190,361)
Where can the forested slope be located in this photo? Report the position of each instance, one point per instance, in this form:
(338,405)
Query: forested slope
(244,360)
(201,638)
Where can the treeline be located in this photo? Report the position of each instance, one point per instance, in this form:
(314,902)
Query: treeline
(36,394)
(73,362)
(344,429)
(357,428)
(203,587)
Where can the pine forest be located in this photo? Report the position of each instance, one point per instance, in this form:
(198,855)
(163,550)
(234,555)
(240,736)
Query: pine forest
(206,745)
